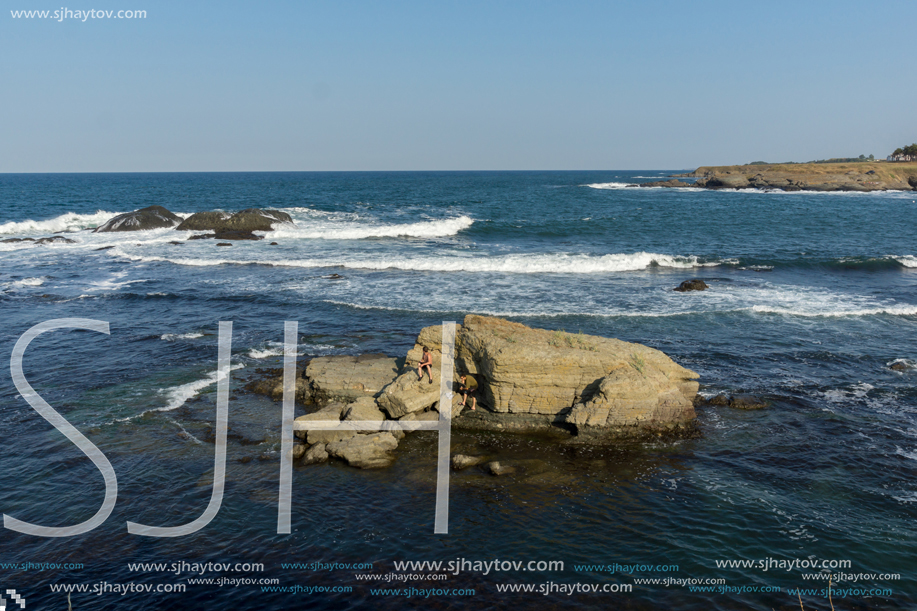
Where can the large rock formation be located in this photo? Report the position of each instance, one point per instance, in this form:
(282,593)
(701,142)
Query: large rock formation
(578,387)
(251,219)
(585,381)
(151,217)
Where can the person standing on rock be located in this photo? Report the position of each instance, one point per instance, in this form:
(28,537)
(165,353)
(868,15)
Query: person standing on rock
(426,362)
(468,388)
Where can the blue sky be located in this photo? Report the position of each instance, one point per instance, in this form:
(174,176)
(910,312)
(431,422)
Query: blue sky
(235,86)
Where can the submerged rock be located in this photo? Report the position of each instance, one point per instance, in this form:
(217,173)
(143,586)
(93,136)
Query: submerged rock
(747,402)
(463,461)
(692,285)
(151,217)
(55,239)
(497,468)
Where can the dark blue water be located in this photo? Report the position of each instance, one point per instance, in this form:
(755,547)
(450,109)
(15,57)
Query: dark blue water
(813,296)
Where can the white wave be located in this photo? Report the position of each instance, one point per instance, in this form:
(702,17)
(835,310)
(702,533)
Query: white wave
(519,264)
(26,282)
(901,452)
(254,353)
(177,396)
(70,221)
(610,185)
(112,283)
(508,313)
(171,337)
(906,260)
(358,231)
(855,392)
(902,310)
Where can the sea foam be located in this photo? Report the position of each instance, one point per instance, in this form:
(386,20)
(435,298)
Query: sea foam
(520,264)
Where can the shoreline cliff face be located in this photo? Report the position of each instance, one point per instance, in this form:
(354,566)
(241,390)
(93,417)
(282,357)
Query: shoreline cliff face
(863,176)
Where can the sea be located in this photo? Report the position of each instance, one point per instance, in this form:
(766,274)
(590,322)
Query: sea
(812,300)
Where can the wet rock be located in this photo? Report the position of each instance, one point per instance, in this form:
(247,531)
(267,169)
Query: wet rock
(224,244)
(666,183)
(274,244)
(899,366)
(315,454)
(103,248)
(692,285)
(272,386)
(251,219)
(365,451)
(13,240)
(720,400)
(747,402)
(497,468)
(298,450)
(55,239)
(151,217)
(463,461)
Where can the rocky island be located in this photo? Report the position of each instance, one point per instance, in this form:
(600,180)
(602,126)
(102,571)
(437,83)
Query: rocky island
(572,387)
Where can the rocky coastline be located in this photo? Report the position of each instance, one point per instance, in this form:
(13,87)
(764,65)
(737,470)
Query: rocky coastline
(859,176)
(572,388)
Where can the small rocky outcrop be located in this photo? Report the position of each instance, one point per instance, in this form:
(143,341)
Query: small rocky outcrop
(270,382)
(692,285)
(672,183)
(745,401)
(901,365)
(151,217)
(246,221)
(55,239)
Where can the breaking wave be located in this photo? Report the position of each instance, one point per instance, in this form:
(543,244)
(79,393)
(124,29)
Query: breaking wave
(70,221)
(520,264)
(336,230)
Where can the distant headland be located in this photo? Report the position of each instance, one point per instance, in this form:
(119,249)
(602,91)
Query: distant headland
(897,173)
